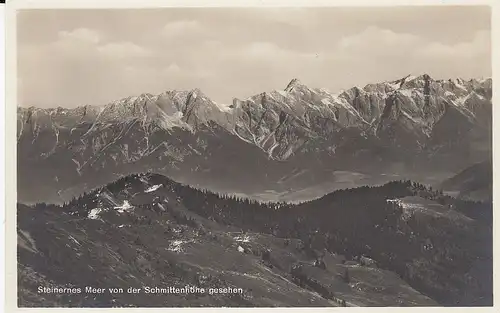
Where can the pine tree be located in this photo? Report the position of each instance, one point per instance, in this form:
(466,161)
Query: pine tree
(345,276)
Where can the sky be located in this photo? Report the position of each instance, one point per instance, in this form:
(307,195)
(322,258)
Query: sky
(78,57)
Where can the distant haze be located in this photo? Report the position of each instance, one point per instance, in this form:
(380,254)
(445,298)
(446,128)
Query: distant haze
(77,57)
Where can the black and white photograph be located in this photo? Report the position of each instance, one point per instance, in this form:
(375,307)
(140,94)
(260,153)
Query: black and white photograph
(254,156)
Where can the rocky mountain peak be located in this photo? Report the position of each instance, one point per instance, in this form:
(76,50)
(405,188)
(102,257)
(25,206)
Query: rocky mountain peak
(195,92)
(294,83)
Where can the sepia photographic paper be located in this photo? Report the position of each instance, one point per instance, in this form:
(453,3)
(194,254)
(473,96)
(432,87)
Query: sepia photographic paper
(259,155)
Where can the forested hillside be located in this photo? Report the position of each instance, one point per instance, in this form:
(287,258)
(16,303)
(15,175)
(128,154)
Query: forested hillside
(441,246)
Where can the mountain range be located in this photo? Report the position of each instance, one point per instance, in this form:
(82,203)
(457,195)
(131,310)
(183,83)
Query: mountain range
(373,196)
(294,144)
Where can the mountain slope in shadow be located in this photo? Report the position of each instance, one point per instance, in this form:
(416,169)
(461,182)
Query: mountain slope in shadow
(474,182)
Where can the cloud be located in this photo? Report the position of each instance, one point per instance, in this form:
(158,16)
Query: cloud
(172,69)
(478,47)
(181,27)
(381,54)
(76,42)
(77,68)
(260,51)
(378,41)
(81,35)
(88,43)
(388,43)
(266,50)
(123,50)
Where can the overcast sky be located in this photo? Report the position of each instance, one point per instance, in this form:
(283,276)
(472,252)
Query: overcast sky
(71,58)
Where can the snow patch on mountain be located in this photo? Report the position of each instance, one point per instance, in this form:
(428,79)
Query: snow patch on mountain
(178,245)
(282,93)
(153,188)
(458,84)
(94,213)
(124,207)
(242,238)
